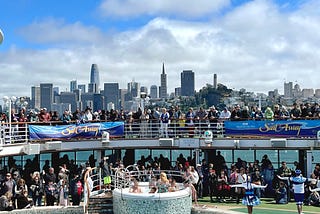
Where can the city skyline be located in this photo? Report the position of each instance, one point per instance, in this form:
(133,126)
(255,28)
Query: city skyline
(57,43)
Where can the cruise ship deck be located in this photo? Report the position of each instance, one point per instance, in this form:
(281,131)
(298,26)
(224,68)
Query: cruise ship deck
(296,140)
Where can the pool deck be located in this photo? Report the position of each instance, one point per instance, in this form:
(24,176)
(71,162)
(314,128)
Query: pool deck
(203,209)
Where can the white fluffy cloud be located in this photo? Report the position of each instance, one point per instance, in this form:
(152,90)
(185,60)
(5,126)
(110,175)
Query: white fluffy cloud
(180,8)
(255,46)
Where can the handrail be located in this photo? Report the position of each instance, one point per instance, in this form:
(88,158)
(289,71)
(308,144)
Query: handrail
(17,132)
(90,185)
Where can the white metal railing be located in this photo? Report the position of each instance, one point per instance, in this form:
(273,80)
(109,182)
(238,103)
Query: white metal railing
(120,179)
(19,133)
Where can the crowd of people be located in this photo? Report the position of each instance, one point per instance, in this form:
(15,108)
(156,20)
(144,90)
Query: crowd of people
(27,186)
(23,187)
(221,183)
(156,121)
(170,114)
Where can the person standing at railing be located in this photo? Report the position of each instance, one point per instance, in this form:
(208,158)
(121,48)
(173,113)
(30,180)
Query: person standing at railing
(276,112)
(236,113)
(44,116)
(164,122)
(284,114)
(201,119)
(65,118)
(224,114)
(268,114)
(144,118)
(190,120)
(295,112)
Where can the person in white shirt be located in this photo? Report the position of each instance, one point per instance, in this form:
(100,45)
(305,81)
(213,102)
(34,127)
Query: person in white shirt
(225,114)
(298,182)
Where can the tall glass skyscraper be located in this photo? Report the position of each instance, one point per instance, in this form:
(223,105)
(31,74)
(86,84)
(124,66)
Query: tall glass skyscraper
(94,84)
(111,94)
(154,91)
(187,83)
(46,95)
(163,86)
(73,85)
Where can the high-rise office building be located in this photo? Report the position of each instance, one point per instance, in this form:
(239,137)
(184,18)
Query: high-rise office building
(144,89)
(187,83)
(163,83)
(133,90)
(307,92)
(82,87)
(35,97)
(123,93)
(111,94)
(69,98)
(177,92)
(73,85)
(153,92)
(94,84)
(87,100)
(46,95)
(288,90)
(98,102)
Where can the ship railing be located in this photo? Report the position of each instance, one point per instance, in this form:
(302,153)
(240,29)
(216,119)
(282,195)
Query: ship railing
(18,132)
(173,129)
(124,177)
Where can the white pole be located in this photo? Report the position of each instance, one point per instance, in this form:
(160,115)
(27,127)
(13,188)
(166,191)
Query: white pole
(1,37)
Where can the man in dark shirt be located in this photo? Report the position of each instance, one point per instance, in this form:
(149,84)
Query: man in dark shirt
(51,176)
(295,113)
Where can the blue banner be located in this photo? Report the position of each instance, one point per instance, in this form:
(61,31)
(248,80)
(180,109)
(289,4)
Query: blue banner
(281,128)
(86,130)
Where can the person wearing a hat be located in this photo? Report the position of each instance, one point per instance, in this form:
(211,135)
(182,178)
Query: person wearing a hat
(298,182)
(250,199)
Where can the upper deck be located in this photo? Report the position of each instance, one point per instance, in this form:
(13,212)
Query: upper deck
(36,138)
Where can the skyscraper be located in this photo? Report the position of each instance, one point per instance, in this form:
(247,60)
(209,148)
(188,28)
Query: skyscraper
(70,98)
(163,85)
(144,89)
(154,91)
(187,83)
(73,85)
(46,95)
(82,87)
(35,97)
(94,84)
(133,90)
(288,89)
(111,94)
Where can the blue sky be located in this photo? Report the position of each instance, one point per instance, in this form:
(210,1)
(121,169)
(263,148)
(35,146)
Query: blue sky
(255,44)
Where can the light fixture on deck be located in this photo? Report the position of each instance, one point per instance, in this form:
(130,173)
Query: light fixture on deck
(105,138)
(236,144)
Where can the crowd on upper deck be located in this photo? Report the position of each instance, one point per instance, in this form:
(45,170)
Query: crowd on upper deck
(173,113)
